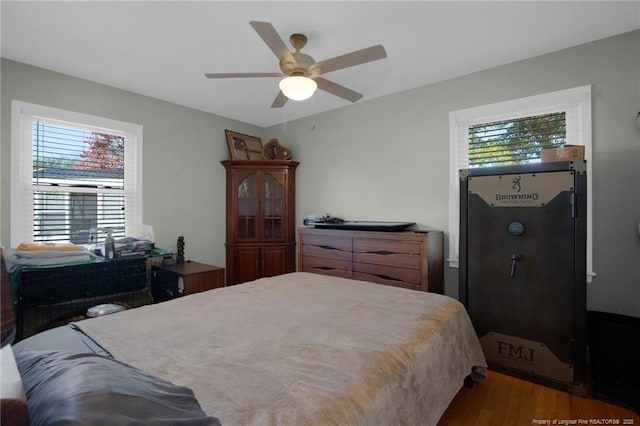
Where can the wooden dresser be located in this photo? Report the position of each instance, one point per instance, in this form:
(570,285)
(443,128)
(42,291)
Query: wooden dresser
(408,259)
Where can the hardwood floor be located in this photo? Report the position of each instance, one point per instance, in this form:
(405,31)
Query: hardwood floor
(506,400)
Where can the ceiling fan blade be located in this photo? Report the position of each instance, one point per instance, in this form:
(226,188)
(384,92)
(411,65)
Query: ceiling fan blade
(243,74)
(338,90)
(279,101)
(270,36)
(358,57)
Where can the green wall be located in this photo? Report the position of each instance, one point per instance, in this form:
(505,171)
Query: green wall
(383,159)
(183,180)
(388,158)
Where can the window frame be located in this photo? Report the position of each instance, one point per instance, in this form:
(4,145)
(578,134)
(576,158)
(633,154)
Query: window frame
(576,102)
(22,116)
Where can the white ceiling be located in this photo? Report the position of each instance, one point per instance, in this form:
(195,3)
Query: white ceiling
(162,49)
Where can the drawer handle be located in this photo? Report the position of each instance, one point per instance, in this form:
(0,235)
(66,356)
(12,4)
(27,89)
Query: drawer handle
(381,252)
(328,248)
(386,277)
(325,268)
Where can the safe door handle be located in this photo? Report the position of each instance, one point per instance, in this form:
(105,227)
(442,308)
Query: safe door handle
(514,259)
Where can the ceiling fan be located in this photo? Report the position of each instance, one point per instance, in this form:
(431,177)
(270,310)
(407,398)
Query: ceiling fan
(301,69)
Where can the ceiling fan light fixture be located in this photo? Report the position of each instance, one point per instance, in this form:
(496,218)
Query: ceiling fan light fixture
(298,88)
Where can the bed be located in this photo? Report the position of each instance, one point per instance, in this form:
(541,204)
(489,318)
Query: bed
(298,348)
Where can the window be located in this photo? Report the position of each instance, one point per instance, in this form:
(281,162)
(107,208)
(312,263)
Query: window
(514,141)
(514,132)
(74,175)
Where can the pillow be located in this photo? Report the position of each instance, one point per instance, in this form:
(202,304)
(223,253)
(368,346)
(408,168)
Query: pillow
(91,389)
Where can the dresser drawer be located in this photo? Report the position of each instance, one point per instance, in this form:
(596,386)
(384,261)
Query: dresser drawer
(394,253)
(321,246)
(391,273)
(375,279)
(328,266)
(397,277)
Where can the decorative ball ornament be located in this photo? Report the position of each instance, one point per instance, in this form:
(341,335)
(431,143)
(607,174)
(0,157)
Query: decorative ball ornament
(272,150)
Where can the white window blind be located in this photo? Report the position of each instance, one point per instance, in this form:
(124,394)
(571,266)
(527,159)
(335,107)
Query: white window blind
(74,175)
(78,183)
(514,141)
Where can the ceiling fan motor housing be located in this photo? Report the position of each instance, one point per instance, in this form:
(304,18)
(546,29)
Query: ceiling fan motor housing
(296,63)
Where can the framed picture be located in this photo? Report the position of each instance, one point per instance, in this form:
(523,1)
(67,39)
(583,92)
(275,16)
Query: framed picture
(244,147)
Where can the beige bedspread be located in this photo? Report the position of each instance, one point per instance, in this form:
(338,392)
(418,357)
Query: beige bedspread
(303,349)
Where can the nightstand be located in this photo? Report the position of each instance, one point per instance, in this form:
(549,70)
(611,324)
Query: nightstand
(196,277)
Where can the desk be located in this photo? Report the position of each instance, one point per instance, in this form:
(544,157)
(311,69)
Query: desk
(196,277)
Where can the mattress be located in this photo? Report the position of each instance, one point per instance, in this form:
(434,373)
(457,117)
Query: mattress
(303,349)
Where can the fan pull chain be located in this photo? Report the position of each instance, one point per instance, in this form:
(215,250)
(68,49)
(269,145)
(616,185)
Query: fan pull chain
(284,118)
(313,113)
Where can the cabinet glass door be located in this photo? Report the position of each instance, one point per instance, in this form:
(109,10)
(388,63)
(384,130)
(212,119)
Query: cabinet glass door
(247,207)
(273,217)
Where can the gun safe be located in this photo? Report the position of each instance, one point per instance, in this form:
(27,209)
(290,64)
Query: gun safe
(523,269)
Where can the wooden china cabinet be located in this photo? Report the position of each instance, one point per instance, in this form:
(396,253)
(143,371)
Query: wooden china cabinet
(261,239)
